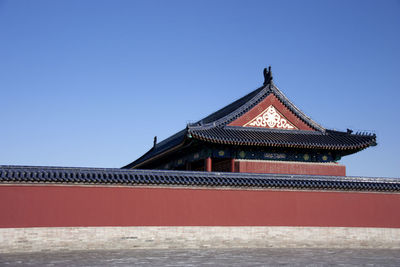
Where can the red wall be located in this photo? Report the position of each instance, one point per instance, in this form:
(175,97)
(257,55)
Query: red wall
(60,206)
(290,167)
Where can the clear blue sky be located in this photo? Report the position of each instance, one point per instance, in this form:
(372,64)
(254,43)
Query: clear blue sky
(89,83)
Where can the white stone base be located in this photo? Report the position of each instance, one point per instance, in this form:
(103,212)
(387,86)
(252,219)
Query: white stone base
(13,240)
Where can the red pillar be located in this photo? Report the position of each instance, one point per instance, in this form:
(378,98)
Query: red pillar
(208,164)
(232,165)
(188,166)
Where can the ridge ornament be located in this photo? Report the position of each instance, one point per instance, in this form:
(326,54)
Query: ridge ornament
(270,118)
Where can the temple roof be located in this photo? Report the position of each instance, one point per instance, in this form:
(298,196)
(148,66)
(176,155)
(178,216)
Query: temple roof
(108,176)
(241,123)
(329,139)
(236,109)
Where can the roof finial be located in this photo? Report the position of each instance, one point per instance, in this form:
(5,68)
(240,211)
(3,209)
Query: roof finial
(155,141)
(267,75)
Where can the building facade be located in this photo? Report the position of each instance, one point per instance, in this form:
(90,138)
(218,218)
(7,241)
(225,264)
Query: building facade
(262,132)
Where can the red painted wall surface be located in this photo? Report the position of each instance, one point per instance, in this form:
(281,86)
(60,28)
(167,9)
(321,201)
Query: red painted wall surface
(290,167)
(260,107)
(63,206)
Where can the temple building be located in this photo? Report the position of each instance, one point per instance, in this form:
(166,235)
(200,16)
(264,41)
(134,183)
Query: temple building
(262,132)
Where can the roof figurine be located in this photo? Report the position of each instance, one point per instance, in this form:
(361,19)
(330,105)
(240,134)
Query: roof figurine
(263,125)
(267,75)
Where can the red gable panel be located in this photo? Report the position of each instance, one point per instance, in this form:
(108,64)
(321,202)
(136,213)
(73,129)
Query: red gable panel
(271,113)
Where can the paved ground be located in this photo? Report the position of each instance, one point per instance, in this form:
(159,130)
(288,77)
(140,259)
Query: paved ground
(208,257)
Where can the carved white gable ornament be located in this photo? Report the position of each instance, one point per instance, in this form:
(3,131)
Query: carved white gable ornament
(270,118)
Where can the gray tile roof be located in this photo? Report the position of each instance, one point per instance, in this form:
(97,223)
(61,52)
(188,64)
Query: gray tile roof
(331,140)
(108,176)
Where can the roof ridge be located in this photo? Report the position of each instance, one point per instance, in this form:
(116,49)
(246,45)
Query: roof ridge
(263,92)
(233,105)
(363,133)
(292,107)
(158,148)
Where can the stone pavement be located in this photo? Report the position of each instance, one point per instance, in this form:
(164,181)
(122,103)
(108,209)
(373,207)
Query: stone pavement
(208,257)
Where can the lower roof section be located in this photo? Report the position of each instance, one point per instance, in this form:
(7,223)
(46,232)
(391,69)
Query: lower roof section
(109,176)
(329,140)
